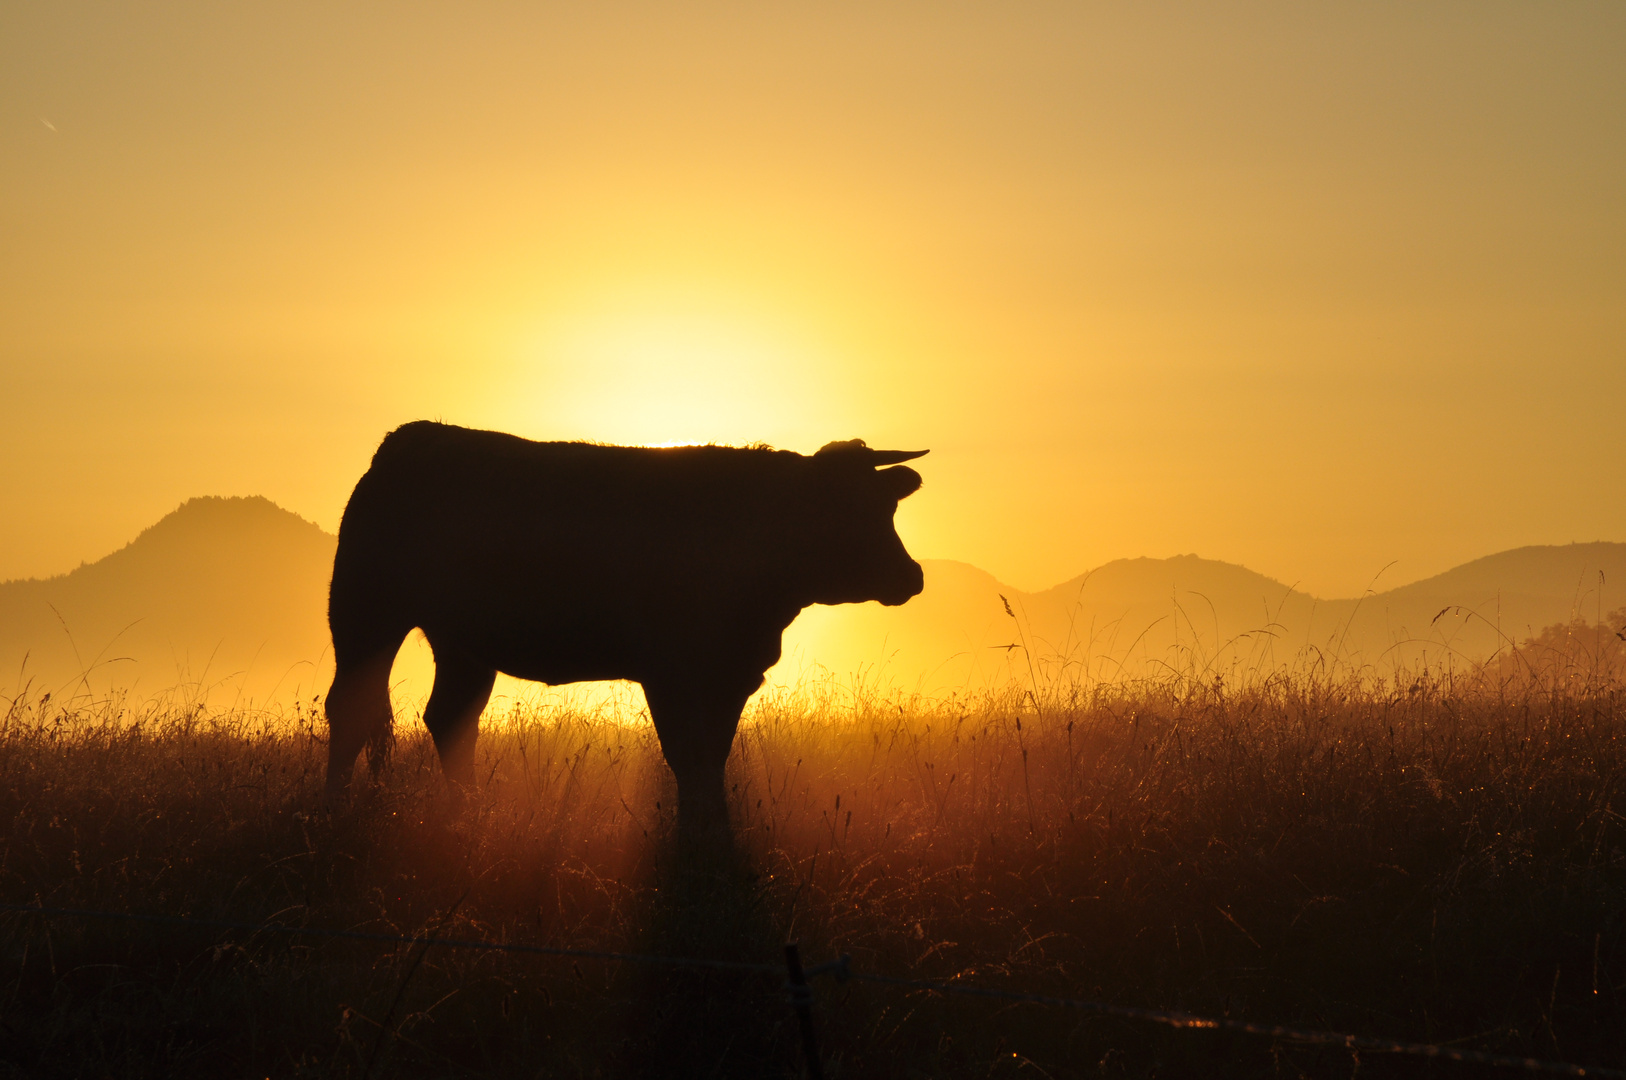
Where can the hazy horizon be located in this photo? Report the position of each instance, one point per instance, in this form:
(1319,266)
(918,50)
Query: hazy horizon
(227,599)
(1383,579)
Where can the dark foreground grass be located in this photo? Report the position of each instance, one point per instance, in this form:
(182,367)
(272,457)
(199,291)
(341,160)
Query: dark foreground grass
(1433,862)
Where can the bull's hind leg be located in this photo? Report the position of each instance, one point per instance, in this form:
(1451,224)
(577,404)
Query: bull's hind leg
(358,715)
(462,688)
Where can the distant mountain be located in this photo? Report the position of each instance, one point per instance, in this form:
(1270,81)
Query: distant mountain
(1134,616)
(227,598)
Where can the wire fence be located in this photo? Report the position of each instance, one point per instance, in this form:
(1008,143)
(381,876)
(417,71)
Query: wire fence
(802,999)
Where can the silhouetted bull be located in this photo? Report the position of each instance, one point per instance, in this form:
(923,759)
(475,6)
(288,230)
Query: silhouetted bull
(560,562)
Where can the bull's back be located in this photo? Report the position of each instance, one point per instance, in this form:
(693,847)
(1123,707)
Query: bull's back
(459,524)
(554,561)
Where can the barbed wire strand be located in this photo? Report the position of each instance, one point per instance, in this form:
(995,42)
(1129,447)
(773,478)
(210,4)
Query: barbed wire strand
(842,969)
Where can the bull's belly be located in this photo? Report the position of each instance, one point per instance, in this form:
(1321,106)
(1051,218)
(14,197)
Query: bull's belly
(585,642)
(556,673)
(565,658)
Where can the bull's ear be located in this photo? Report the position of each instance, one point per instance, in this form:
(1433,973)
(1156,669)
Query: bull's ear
(843,447)
(899,482)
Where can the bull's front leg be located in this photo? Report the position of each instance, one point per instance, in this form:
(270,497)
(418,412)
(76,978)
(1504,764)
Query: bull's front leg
(695,719)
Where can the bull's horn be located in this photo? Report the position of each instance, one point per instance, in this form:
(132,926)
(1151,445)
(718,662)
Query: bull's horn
(892,457)
(877,458)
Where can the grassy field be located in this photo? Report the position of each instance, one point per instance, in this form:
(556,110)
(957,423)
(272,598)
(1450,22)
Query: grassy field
(1428,859)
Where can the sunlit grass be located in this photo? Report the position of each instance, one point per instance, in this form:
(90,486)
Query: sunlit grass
(1428,859)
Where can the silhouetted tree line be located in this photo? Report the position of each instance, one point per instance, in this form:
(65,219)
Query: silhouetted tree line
(1574,653)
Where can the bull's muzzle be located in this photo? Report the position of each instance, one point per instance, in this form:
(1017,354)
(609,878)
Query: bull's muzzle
(906,586)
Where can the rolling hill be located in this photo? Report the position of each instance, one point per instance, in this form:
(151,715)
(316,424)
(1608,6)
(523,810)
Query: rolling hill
(221,598)
(1132,616)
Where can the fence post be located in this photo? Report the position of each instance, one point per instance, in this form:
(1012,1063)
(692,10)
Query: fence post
(801,999)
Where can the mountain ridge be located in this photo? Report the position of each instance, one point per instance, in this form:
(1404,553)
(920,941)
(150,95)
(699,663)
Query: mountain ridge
(219,593)
(192,508)
(228,594)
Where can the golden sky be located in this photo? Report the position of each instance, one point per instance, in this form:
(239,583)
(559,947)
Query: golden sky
(1306,287)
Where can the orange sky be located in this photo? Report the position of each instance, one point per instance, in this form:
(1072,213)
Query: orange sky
(1309,288)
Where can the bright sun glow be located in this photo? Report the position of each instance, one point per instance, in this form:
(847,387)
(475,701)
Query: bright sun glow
(662,376)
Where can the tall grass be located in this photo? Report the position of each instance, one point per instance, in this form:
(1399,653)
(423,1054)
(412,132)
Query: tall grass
(1428,858)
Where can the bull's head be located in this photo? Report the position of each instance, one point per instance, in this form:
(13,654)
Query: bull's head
(858,554)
